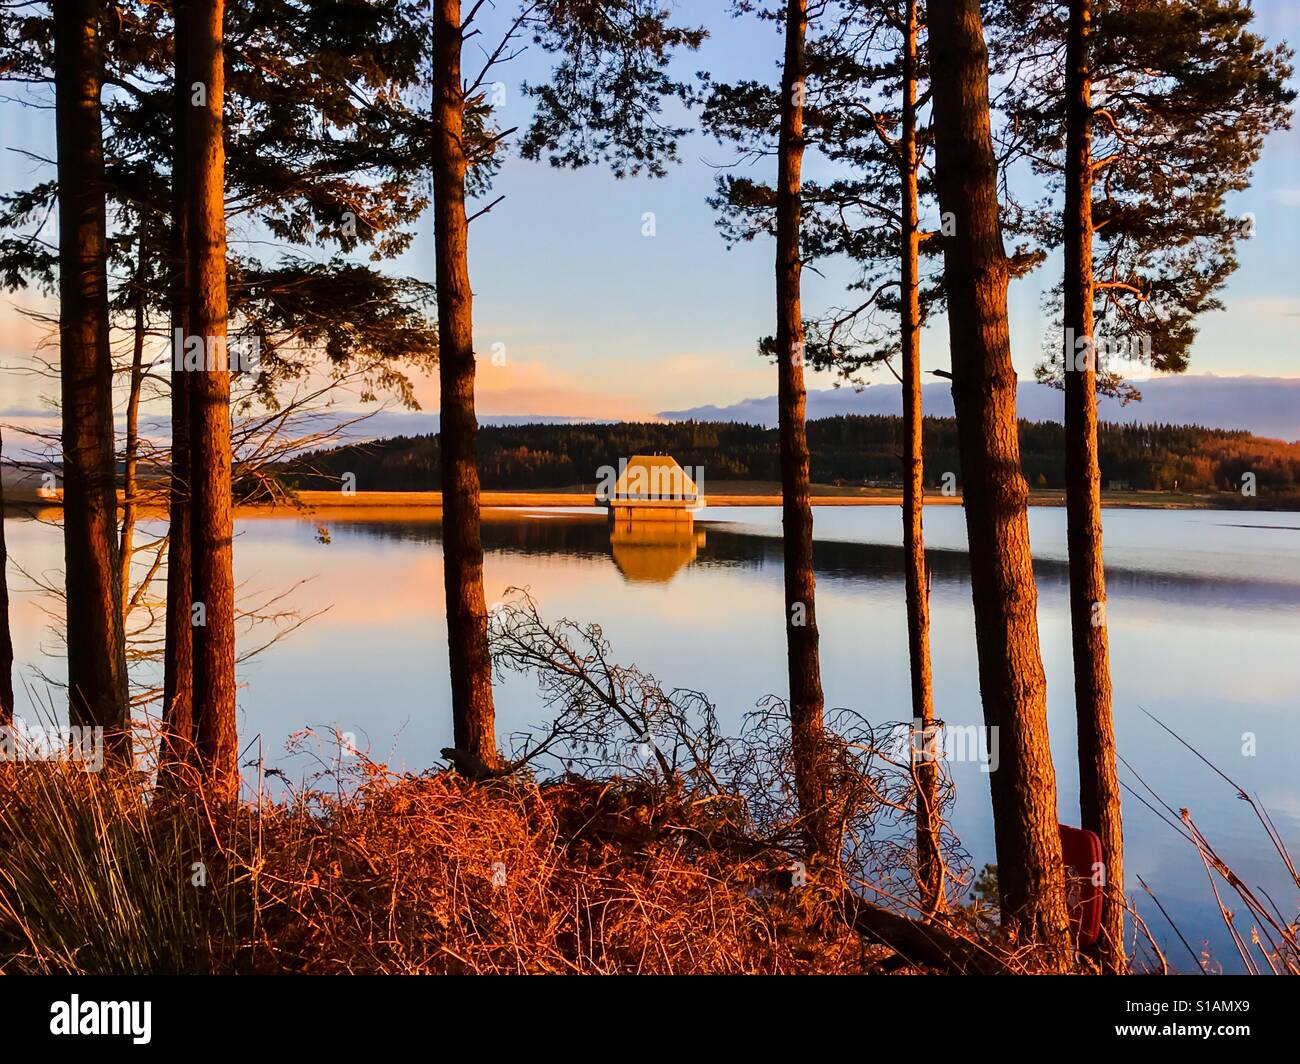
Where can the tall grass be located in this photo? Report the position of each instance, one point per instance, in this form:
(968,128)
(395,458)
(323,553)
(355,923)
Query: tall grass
(401,874)
(97,878)
(390,873)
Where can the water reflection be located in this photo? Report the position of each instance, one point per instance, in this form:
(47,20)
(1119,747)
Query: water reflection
(657,551)
(653,551)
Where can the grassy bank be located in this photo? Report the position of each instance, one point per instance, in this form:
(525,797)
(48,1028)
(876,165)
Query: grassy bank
(428,874)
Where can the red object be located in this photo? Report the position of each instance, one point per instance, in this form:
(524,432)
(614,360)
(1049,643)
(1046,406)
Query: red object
(1085,872)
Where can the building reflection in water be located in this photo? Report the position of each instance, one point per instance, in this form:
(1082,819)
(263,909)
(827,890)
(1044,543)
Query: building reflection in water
(654,551)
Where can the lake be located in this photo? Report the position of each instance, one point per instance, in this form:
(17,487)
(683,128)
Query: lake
(1204,621)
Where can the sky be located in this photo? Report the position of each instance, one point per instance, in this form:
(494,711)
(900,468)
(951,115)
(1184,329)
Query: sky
(595,319)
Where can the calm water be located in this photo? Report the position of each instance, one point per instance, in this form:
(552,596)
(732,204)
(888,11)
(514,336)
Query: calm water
(1204,619)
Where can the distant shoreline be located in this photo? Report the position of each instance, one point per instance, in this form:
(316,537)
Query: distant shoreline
(841,497)
(385,502)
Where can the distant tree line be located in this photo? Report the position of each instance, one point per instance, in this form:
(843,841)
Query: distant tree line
(845,450)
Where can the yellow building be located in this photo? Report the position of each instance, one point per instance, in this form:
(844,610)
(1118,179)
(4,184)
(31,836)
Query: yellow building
(649,488)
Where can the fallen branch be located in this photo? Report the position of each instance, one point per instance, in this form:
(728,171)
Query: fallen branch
(927,945)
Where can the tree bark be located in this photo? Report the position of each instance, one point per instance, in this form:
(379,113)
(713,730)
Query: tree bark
(1099,796)
(178,656)
(96,648)
(6,636)
(473,713)
(930,869)
(1012,685)
(210,455)
(807,734)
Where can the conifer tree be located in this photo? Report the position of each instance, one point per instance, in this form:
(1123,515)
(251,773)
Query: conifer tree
(861,87)
(6,634)
(1144,117)
(601,103)
(1013,687)
(96,646)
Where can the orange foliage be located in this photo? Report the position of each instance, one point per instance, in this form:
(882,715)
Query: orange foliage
(432,874)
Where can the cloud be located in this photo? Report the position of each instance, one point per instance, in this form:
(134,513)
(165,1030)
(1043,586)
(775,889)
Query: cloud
(28,412)
(534,388)
(1269,306)
(619,388)
(20,334)
(1289,196)
(696,364)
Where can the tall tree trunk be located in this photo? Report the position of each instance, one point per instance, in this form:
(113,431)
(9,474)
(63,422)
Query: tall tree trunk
(473,713)
(929,858)
(1099,797)
(96,649)
(1012,685)
(807,735)
(178,657)
(210,456)
(131,454)
(6,636)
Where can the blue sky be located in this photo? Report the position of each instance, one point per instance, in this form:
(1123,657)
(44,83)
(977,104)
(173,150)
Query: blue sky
(599,320)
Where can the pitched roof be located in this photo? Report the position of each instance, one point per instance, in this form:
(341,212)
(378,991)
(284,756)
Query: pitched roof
(653,476)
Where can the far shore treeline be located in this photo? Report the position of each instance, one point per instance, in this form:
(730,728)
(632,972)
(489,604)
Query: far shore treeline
(849,450)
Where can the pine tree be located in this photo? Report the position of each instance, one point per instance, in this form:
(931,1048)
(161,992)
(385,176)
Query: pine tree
(881,134)
(357,187)
(96,646)
(1185,97)
(6,635)
(473,713)
(1012,684)
(211,526)
(807,732)
(916,583)
(861,90)
(601,103)
(178,637)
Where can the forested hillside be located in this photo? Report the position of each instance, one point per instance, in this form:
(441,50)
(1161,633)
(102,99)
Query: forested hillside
(848,450)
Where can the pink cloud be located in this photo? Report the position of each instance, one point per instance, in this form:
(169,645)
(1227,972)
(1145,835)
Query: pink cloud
(534,388)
